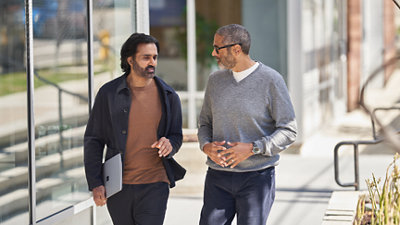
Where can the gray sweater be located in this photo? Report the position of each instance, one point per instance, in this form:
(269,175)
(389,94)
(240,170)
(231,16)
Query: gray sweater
(256,109)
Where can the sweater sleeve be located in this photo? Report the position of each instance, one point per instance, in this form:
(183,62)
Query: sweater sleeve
(282,112)
(205,130)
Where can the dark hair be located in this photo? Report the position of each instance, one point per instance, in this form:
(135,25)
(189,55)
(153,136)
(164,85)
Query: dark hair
(129,48)
(235,33)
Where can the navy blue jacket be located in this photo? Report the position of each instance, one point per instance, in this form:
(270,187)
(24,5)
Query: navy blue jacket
(108,126)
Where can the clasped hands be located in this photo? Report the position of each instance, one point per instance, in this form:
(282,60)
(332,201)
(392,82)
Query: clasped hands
(228,157)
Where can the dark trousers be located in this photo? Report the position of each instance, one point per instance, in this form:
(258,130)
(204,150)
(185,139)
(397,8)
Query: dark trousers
(249,195)
(139,204)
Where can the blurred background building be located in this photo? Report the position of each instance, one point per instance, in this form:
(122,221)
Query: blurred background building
(324,49)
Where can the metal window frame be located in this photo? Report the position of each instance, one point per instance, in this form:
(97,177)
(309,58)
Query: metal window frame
(142,15)
(30,105)
(84,205)
(191,62)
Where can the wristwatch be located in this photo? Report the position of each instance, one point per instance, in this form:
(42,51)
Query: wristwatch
(256,150)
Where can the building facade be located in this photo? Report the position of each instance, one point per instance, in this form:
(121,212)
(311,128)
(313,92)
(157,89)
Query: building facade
(324,49)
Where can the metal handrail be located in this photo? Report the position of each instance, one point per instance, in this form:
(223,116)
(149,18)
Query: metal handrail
(388,134)
(60,116)
(60,89)
(374,135)
(355,144)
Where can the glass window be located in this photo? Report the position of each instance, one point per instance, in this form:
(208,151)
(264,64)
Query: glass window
(113,23)
(168,25)
(60,103)
(267,29)
(13,109)
(266,22)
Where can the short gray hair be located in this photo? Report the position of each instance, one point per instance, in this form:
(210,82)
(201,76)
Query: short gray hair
(235,33)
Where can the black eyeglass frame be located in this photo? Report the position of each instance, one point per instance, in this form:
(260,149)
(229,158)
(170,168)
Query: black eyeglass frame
(216,48)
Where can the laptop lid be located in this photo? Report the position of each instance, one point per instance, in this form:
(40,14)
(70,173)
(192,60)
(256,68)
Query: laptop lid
(112,175)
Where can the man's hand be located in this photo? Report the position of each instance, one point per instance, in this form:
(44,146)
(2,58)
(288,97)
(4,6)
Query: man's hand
(164,147)
(213,151)
(237,153)
(99,195)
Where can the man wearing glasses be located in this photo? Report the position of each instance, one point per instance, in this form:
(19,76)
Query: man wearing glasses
(246,120)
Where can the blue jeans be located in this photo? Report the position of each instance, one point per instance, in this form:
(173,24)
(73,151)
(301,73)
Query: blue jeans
(139,204)
(249,195)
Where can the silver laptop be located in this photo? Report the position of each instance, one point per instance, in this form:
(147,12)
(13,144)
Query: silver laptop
(112,175)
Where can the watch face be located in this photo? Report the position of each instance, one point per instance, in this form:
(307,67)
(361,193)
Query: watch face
(256,150)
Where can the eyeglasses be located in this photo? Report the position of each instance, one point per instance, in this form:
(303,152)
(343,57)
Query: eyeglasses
(225,46)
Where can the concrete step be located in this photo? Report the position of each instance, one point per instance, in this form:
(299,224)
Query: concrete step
(16,201)
(43,146)
(45,166)
(15,131)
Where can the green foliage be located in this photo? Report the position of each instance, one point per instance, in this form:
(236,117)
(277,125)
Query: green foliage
(384,199)
(16,82)
(12,83)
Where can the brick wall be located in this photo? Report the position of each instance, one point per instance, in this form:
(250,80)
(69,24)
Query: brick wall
(354,37)
(389,36)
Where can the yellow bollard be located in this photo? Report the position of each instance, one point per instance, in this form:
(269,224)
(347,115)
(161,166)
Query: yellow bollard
(104,51)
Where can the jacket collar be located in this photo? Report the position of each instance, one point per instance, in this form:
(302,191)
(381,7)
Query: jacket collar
(167,89)
(123,84)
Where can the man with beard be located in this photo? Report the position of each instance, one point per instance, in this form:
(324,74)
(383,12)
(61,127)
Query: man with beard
(139,116)
(246,120)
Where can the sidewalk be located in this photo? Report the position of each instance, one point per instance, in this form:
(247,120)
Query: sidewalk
(305,181)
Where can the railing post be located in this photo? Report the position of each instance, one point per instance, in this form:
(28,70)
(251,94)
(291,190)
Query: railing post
(356,172)
(336,164)
(60,128)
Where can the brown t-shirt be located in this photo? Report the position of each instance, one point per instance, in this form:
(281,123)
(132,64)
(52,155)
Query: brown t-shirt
(142,165)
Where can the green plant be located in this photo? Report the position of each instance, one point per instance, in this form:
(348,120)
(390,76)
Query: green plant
(384,199)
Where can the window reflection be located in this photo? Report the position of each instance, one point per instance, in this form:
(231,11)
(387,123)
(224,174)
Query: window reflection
(208,20)
(60,103)
(13,125)
(168,25)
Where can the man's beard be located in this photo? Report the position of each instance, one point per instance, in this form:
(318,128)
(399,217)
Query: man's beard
(228,62)
(144,72)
